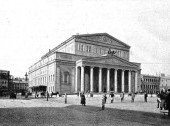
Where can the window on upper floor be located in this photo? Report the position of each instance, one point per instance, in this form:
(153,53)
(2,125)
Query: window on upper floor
(88,48)
(81,48)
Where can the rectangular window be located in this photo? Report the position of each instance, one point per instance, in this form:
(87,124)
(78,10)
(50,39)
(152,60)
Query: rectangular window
(96,50)
(89,48)
(81,48)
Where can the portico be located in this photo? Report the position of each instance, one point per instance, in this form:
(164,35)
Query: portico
(96,76)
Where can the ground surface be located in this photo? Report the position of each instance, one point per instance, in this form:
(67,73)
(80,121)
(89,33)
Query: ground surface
(54,112)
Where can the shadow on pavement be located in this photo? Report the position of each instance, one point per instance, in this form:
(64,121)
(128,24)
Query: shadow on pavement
(79,115)
(126,115)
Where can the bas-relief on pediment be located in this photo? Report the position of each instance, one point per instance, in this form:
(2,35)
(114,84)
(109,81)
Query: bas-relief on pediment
(103,38)
(112,62)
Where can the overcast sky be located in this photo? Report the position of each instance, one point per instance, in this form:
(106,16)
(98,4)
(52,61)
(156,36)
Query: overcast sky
(29,28)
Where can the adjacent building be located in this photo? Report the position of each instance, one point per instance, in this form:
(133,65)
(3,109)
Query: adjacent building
(87,63)
(4,81)
(150,84)
(19,85)
(165,82)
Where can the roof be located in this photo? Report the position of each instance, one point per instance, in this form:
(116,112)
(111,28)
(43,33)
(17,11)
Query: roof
(100,34)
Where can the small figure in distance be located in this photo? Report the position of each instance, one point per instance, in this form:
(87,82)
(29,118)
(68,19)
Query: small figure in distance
(122,96)
(112,96)
(133,97)
(103,102)
(105,98)
(145,96)
(83,99)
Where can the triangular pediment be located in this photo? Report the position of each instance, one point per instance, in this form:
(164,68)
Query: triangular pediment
(110,60)
(104,38)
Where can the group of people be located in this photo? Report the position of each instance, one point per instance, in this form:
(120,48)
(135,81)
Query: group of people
(163,100)
(104,98)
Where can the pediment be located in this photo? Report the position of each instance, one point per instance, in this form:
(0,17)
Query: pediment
(111,61)
(104,38)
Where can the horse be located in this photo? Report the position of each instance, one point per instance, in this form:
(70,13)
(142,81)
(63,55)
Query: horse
(54,94)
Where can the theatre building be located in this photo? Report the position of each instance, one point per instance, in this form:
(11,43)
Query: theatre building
(86,63)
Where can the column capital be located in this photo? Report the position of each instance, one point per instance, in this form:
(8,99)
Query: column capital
(136,71)
(92,67)
(100,68)
(77,66)
(123,70)
(116,69)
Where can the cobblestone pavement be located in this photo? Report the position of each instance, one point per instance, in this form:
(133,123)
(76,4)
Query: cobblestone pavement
(55,112)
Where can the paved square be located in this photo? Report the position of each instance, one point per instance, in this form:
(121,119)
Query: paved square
(55,112)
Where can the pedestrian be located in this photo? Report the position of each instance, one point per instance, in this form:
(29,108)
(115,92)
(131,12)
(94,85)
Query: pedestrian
(158,100)
(122,96)
(36,94)
(103,102)
(47,95)
(112,96)
(65,98)
(168,102)
(105,98)
(162,98)
(145,96)
(83,99)
(133,97)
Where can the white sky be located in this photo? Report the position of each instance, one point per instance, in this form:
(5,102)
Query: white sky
(29,28)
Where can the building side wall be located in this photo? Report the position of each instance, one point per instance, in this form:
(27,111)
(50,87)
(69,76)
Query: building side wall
(67,78)
(68,47)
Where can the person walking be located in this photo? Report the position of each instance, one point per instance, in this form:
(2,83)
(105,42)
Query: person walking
(122,96)
(133,97)
(103,102)
(83,99)
(105,98)
(65,98)
(112,97)
(145,96)
(158,100)
(162,98)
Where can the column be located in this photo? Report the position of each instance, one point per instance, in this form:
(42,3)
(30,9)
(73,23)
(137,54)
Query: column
(91,79)
(108,80)
(73,79)
(123,81)
(82,78)
(136,81)
(129,81)
(100,79)
(115,80)
(76,79)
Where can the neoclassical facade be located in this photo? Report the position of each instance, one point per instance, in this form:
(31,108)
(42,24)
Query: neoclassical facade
(87,63)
